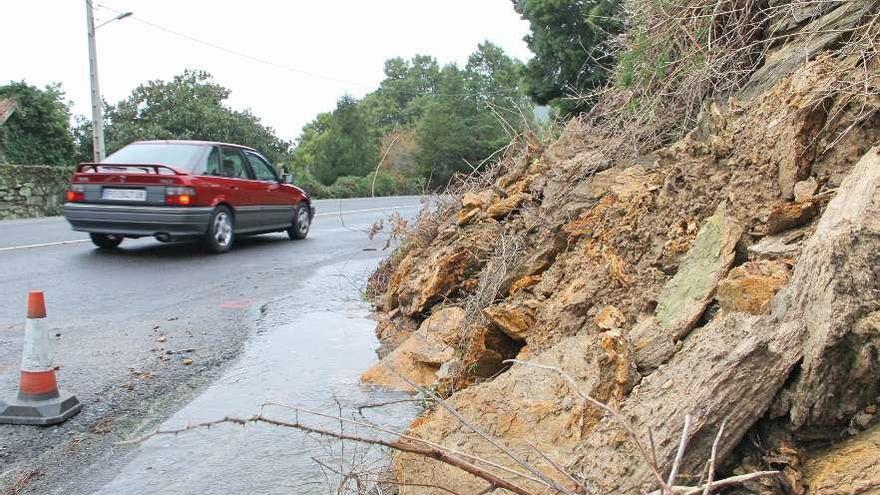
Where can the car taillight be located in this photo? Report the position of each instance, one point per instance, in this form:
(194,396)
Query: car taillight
(180,196)
(76,193)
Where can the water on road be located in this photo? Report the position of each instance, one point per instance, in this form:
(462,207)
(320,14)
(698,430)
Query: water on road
(309,351)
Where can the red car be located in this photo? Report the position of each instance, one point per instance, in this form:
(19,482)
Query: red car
(183,189)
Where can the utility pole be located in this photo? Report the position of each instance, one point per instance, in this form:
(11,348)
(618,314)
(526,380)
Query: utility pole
(97,103)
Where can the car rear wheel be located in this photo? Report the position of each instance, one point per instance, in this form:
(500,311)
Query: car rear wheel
(302,220)
(221,231)
(106,241)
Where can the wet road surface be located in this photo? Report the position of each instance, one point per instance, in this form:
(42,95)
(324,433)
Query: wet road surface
(127,321)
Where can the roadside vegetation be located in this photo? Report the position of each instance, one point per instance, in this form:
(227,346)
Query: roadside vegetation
(425,123)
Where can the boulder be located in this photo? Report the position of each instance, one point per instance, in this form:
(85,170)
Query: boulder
(425,278)
(805,190)
(685,297)
(392,330)
(841,265)
(506,205)
(516,320)
(785,216)
(525,410)
(419,357)
(750,287)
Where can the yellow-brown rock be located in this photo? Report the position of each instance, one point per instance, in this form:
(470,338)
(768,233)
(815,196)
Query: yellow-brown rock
(504,206)
(785,216)
(524,283)
(521,407)
(750,287)
(419,357)
(609,318)
(851,467)
(513,319)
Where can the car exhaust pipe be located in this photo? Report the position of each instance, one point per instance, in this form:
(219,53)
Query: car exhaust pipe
(163,237)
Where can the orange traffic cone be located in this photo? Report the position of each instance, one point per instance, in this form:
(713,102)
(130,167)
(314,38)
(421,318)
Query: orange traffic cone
(39,401)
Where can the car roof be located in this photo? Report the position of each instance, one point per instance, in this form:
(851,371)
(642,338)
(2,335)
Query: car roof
(183,141)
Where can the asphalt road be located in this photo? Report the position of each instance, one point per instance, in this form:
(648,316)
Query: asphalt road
(127,320)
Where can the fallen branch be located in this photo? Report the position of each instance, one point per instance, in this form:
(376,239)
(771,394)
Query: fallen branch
(437,454)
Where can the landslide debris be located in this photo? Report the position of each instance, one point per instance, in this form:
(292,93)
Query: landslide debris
(731,276)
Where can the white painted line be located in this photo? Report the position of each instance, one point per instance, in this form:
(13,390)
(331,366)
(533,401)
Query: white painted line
(337,213)
(79,241)
(45,244)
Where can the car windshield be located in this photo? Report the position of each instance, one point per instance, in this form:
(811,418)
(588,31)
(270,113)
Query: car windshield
(182,156)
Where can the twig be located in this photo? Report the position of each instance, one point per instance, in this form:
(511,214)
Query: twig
(440,455)
(682,447)
(711,475)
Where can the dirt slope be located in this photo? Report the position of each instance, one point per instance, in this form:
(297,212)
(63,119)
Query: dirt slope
(732,276)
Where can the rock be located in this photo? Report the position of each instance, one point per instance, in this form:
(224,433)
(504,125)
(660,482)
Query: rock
(834,291)
(472,204)
(423,279)
(685,297)
(534,263)
(419,357)
(482,349)
(784,216)
(477,200)
(805,190)
(625,183)
(819,34)
(609,318)
(514,320)
(786,245)
(466,215)
(504,206)
(524,283)
(392,330)
(523,406)
(848,468)
(713,379)
(750,287)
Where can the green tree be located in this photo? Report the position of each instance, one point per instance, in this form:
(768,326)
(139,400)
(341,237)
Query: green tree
(38,132)
(339,144)
(570,41)
(190,106)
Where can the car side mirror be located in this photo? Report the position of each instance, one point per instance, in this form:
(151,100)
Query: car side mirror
(287,178)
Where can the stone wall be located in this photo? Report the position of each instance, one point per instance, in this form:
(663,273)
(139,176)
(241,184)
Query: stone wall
(32,190)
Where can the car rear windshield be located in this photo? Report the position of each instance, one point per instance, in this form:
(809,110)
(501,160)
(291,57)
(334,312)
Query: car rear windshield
(181,156)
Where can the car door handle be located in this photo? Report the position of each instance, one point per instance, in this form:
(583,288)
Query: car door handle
(234,188)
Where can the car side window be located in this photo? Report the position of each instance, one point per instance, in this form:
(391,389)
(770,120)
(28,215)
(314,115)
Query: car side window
(262,170)
(232,165)
(213,165)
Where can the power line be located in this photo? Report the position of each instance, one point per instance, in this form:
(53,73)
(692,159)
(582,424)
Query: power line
(283,66)
(238,53)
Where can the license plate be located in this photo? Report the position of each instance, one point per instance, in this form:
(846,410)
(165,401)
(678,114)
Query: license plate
(124,194)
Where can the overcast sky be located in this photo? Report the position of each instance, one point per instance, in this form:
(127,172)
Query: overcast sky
(344,41)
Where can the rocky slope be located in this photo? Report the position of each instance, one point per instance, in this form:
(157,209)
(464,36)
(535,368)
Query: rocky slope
(732,277)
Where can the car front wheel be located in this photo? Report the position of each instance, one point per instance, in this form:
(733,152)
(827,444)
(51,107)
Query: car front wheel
(106,241)
(302,220)
(221,231)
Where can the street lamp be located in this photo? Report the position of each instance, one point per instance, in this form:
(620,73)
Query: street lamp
(97,104)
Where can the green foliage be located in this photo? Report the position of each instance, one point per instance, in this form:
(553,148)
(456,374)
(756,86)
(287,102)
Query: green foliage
(190,106)
(570,41)
(38,132)
(345,145)
(423,122)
